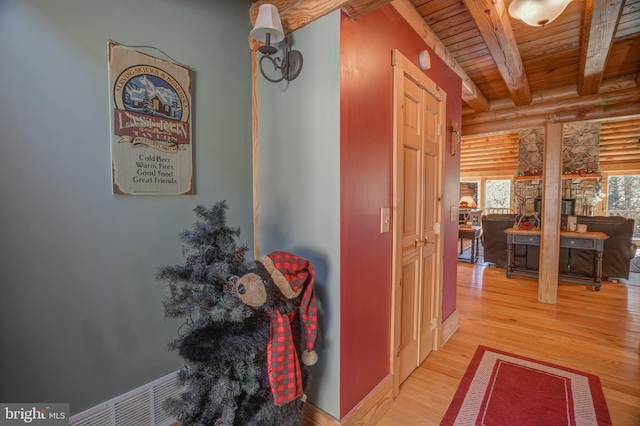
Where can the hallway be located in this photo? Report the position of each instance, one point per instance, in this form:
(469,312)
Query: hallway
(596,332)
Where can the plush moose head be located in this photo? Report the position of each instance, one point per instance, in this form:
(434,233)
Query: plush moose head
(282,285)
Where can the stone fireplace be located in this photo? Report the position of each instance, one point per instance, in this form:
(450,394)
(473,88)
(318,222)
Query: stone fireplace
(581,182)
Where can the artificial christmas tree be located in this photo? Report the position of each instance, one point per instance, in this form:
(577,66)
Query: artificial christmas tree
(249,331)
(216,382)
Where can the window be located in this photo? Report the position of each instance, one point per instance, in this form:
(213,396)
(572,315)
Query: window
(497,197)
(623,198)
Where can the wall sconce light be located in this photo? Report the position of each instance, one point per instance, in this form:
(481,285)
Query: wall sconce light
(537,13)
(268,29)
(455,137)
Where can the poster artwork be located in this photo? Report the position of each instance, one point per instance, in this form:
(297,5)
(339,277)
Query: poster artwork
(151,145)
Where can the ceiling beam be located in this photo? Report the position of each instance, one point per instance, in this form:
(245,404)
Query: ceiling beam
(618,97)
(295,14)
(560,94)
(612,91)
(601,112)
(356,8)
(607,105)
(492,20)
(470,92)
(281,5)
(601,19)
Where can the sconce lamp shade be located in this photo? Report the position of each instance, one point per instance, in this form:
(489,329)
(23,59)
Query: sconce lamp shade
(467,202)
(537,13)
(268,22)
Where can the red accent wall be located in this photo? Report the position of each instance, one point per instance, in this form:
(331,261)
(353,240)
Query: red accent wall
(366,165)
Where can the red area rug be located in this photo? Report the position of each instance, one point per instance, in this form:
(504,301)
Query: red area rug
(499,389)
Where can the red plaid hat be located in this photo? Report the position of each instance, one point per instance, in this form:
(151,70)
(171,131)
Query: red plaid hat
(293,275)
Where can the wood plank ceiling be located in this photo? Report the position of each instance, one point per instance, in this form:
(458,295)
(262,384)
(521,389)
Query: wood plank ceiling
(585,65)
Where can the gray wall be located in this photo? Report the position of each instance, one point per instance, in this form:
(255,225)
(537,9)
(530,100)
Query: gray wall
(81,316)
(299,169)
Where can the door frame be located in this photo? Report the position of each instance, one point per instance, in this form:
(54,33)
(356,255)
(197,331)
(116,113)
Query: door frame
(402,67)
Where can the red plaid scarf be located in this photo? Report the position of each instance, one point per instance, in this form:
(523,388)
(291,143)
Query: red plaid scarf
(282,360)
(298,272)
(292,275)
(309,315)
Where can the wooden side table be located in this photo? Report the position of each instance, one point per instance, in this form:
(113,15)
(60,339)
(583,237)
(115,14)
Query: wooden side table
(578,240)
(470,233)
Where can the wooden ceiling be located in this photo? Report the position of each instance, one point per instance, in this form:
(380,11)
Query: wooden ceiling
(585,65)
(584,60)
(551,57)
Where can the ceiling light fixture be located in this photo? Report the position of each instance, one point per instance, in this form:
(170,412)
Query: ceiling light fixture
(425,60)
(268,29)
(537,13)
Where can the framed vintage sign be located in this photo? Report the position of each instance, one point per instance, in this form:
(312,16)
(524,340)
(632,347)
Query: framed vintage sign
(151,142)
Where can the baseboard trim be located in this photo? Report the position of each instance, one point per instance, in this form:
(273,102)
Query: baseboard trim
(449,326)
(373,406)
(313,416)
(367,412)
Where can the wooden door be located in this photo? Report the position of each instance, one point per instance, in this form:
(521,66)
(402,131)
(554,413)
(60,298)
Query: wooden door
(419,116)
(430,225)
(410,166)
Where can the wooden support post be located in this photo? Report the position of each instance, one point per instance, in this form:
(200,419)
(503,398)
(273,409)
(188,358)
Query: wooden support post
(254,146)
(550,231)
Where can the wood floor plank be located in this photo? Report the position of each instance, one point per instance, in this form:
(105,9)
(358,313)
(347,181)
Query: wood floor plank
(594,332)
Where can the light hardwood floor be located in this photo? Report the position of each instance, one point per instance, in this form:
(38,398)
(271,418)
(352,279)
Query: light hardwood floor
(595,332)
